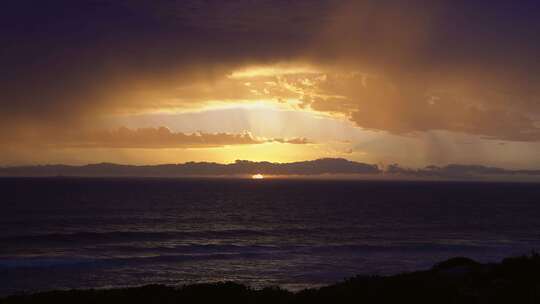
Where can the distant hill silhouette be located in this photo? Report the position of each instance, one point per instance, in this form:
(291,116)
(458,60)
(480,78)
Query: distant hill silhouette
(240,167)
(458,171)
(323,166)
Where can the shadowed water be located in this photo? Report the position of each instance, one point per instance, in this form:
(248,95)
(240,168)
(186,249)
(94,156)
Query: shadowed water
(79,233)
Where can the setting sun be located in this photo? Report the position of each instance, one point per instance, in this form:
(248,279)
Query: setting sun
(257,176)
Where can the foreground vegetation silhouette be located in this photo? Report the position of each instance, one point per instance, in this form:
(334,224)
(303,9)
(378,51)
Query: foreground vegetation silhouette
(458,280)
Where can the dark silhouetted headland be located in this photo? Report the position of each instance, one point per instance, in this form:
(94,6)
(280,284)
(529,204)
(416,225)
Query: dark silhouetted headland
(458,280)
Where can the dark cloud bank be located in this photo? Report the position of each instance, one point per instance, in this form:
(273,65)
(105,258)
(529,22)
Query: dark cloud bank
(462,66)
(326,167)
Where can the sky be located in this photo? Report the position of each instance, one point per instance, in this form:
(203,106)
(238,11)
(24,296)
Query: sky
(413,82)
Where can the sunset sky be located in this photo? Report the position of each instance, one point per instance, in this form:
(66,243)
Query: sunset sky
(375,81)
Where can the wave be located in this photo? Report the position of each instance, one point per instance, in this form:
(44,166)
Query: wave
(302,249)
(49,262)
(312,236)
(126,235)
(41,262)
(185,253)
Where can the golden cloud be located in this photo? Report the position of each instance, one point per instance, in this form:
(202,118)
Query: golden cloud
(155,138)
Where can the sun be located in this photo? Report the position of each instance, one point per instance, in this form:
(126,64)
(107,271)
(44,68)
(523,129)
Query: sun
(257,176)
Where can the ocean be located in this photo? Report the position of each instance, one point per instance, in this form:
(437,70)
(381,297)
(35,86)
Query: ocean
(63,233)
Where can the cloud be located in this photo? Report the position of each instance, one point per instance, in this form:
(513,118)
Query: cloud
(457,65)
(65,59)
(151,138)
(157,138)
(377,103)
(295,141)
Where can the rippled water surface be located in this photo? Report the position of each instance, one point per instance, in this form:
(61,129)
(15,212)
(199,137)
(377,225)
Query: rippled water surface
(80,233)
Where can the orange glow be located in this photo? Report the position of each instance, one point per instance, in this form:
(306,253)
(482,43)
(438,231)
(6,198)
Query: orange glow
(257,176)
(272,71)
